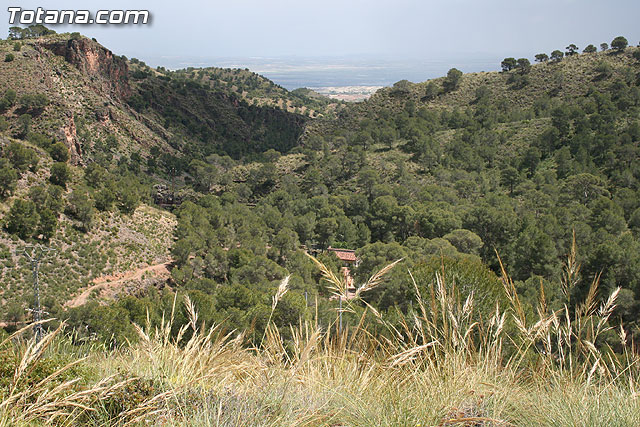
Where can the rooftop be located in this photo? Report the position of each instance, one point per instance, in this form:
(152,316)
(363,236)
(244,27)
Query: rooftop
(344,254)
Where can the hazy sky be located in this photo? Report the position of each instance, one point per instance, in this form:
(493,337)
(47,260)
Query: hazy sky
(399,28)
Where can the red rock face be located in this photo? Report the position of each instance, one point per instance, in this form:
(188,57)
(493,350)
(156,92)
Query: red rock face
(71,140)
(95,60)
(67,134)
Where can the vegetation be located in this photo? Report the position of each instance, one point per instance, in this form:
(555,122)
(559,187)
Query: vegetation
(590,49)
(35,101)
(30,32)
(504,369)
(572,49)
(542,57)
(508,64)
(530,163)
(557,55)
(452,81)
(619,43)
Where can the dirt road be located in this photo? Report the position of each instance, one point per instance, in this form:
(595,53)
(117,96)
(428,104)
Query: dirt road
(110,285)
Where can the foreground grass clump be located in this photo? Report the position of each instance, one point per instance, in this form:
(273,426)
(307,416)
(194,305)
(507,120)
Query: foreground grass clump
(444,366)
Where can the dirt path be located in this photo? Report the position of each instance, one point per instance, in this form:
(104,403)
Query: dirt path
(111,285)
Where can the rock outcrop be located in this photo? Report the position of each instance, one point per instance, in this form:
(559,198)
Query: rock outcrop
(94,60)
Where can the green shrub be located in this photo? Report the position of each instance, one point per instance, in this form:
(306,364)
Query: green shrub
(48,224)
(604,69)
(10,97)
(39,139)
(619,43)
(8,100)
(59,152)
(104,199)
(41,369)
(80,207)
(21,157)
(469,275)
(8,178)
(9,57)
(34,101)
(22,218)
(128,198)
(452,81)
(24,124)
(60,174)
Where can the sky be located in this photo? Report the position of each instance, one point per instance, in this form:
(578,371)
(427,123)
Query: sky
(402,29)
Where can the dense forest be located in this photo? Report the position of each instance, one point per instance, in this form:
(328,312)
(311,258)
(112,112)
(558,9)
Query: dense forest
(452,174)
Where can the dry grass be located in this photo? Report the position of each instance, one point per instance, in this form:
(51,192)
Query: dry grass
(52,399)
(440,365)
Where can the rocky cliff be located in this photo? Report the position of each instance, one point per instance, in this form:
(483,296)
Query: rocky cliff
(94,60)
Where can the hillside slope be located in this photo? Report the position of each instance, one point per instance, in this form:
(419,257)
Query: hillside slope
(70,90)
(260,91)
(448,171)
(94,94)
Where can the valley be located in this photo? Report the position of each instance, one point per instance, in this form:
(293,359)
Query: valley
(463,250)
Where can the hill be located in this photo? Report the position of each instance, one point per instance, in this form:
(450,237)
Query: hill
(68,100)
(230,186)
(260,91)
(494,218)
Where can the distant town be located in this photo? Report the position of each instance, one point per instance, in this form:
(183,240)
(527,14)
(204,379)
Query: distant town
(347,93)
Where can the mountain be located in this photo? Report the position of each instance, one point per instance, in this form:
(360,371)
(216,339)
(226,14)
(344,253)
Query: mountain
(258,90)
(107,112)
(219,177)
